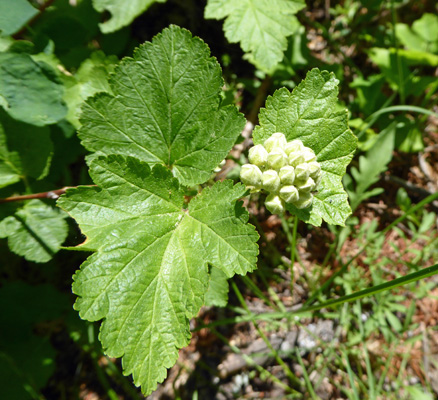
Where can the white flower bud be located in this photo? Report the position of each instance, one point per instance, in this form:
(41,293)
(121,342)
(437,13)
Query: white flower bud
(314,169)
(309,155)
(270,180)
(287,175)
(289,194)
(307,186)
(305,200)
(251,175)
(276,159)
(293,146)
(296,158)
(274,204)
(258,155)
(277,140)
(301,173)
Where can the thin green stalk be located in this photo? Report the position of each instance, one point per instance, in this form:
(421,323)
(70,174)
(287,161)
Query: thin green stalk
(306,376)
(251,285)
(350,376)
(271,292)
(292,239)
(113,371)
(397,55)
(370,375)
(280,362)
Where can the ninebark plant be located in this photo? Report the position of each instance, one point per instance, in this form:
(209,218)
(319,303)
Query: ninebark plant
(156,255)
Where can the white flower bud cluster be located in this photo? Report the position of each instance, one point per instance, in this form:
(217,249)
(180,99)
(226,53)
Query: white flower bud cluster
(288,171)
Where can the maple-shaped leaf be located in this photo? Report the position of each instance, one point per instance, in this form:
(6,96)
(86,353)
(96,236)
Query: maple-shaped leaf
(165,109)
(261,26)
(310,113)
(149,273)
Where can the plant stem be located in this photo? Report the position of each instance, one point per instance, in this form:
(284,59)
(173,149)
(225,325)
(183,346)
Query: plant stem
(52,194)
(293,244)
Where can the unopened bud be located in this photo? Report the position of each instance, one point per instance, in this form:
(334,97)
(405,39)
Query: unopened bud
(289,194)
(296,158)
(251,175)
(314,169)
(293,146)
(307,186)
(301,173)
(287,175)
(270,180)
(274,204)
(305,200)
(277,158)
(309,155)
(277,140)
(258,155)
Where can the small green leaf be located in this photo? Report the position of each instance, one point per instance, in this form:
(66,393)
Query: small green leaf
(122,12)
(261,26)
(217,292)
(165,109)
(35,231)
(31,90)
(25,150)
(310,114)
(149,273)
(371,165)
(14,14)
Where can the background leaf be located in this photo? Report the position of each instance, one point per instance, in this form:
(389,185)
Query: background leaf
(25,150)
(310,114)
(122,12)
(14,14)
(260,26)
(165,109)
(31,91)
(35,231)
(158,253)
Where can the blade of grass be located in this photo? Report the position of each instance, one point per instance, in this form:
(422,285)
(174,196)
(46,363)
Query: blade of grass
(306,376)
(392,284)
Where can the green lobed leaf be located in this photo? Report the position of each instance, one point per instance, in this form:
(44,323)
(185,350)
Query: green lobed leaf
(165,109)
(31,91)
(310,114)
(35,231)
(14,14)
(122,12)
(25,150)
(261,26)
(149,273)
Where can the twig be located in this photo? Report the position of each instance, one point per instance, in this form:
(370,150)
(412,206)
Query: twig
(52,194)
(43,8)
(259,99)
